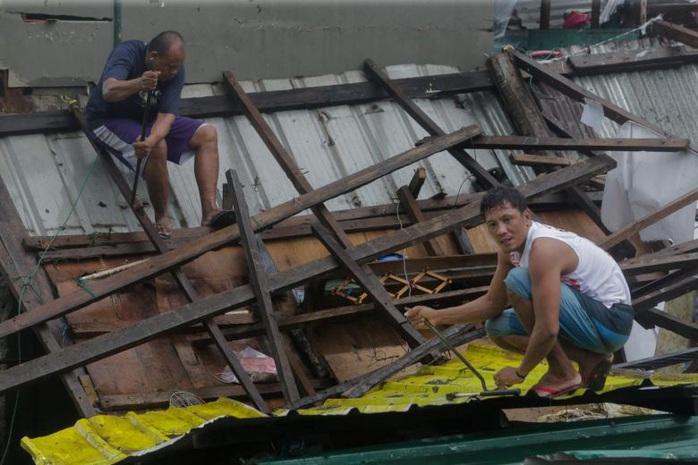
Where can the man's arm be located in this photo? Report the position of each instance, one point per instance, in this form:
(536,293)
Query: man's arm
(115,90)
(550,259)
(161,127)
(483,308)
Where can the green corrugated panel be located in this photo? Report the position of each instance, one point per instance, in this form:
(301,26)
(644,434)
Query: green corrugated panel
(634,437)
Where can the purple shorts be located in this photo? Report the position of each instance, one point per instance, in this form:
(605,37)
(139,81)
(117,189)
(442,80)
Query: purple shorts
(118,136)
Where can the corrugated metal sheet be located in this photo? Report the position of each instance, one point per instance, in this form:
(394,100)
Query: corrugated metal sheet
(665,97)
(110,439)
(49,174)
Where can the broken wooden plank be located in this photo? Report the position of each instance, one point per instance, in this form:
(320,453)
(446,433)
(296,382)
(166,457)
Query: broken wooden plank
(258,281)
(229,234)
(556,143)
(417,181)
(650,219)
(428,124)
(150,328)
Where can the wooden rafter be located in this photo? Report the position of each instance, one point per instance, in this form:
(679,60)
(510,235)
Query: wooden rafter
(117,341)
(165,262)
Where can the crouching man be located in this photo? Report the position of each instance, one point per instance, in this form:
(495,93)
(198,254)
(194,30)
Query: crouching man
(568,299)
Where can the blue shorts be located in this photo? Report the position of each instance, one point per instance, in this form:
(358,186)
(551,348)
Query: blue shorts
(584,322)
(118,136)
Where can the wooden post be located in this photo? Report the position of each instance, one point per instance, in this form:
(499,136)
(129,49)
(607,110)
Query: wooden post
(595,13)
(545,14)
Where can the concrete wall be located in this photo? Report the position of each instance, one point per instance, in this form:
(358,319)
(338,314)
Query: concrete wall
(253,38)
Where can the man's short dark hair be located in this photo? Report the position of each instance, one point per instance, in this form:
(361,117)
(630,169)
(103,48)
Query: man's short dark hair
(162,42)
(499,196)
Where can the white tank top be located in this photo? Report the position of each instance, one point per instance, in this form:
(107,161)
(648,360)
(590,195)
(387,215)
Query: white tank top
(597,275)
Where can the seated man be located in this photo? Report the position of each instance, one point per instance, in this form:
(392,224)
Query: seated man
(569,300)
(115,114)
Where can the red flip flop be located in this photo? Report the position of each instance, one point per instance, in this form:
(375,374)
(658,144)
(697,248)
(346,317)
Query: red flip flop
(595,380)
(552,392)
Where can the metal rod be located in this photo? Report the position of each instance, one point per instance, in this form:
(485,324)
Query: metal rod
(458,354)
(146,112)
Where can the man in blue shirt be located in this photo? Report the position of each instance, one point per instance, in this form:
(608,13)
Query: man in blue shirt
(115,114)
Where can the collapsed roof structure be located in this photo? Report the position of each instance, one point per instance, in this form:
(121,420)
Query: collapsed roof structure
(129,319)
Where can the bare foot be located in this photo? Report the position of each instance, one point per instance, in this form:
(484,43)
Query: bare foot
(206,219)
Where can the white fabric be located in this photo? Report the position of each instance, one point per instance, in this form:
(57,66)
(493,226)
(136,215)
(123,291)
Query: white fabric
(597,275)
(645,181)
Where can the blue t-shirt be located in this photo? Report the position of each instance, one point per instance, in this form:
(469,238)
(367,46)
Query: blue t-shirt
(127,61)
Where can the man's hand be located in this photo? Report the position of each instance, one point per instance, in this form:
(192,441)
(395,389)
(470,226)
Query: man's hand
(416,316)
(506,377)
(149,80)
(142,148)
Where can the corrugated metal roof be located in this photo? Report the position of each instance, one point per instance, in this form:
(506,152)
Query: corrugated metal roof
(107,439)
(666,97)
(47,174)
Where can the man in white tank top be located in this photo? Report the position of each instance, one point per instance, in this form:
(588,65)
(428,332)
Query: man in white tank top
(569,300)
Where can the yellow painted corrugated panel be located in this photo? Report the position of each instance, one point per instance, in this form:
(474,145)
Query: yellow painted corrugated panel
(108,439)
(67,446)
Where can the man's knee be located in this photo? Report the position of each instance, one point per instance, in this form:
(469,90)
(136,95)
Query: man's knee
(206,135)
(518,284)
(159,151)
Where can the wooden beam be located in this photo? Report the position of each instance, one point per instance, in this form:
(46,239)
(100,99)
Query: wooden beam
(556,143)
(370,283)
(631,60)
(428,124)
(652,363)
(31,287)
(295,175)
(411,208)
(526,159)
(676,32)
(595,13)
(456,335)
(545,14)
(261,289)
(227,235)
(684,283)
(150,328)
(417,181)
(578,93)
(182,281)
(652,317)
(650,219)
(271,101)
(523,110)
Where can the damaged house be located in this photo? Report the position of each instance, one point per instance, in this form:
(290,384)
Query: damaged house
(279,336)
